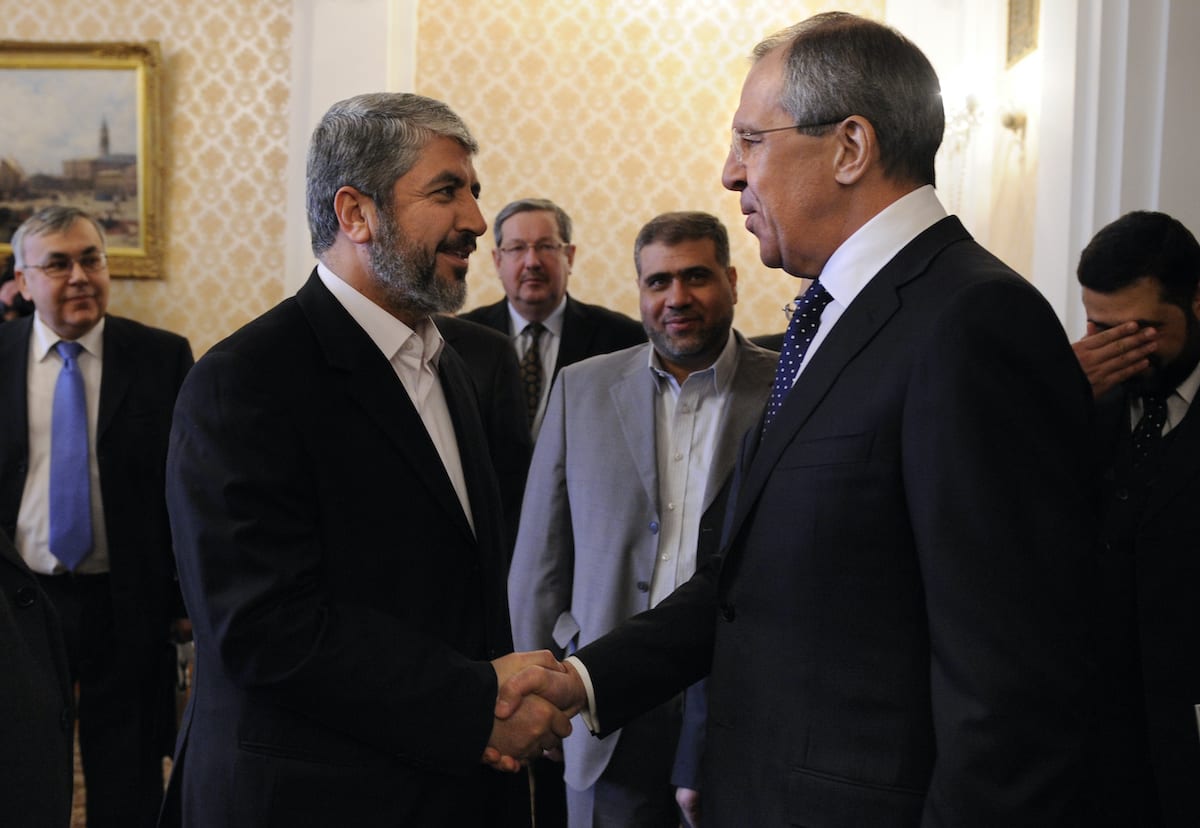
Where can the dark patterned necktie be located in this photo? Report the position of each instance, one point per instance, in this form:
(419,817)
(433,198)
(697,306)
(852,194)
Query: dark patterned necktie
(1147,434)
(70,480)
(531,369)
(800,332)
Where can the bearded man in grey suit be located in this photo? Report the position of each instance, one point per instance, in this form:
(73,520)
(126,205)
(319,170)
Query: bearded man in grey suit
(626,493)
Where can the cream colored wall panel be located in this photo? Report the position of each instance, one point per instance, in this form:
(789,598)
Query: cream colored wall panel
(225,93)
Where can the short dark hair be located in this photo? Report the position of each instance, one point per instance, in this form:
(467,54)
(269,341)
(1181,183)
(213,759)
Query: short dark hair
(368,142)
(532,205)
(1141,244)
(673,228)
(839,64)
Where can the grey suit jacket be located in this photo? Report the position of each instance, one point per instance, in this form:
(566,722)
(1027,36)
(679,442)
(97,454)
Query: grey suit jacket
(589,523)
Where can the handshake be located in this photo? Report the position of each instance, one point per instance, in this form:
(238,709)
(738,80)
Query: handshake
(536,698)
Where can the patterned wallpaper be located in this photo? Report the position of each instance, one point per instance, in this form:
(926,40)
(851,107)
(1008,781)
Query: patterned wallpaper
(617,111)
(225,88)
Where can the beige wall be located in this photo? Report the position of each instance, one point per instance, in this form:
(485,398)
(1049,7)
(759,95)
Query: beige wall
(617,110)
(225,88)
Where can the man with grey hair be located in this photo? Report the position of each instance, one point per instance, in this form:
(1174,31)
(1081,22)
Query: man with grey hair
(86,399)
(534,254)
(898,631)
(337,521)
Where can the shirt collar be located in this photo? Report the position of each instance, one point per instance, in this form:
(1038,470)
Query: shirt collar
(387,332)
(878,241)
(1188,388)
(553,323)
(44,339)
(721,371)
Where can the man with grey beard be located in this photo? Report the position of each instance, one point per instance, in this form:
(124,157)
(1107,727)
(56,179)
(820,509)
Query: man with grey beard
(337,522)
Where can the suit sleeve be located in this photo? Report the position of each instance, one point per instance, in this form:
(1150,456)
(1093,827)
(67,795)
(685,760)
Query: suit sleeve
(246,518)
(995,469)
(540,580)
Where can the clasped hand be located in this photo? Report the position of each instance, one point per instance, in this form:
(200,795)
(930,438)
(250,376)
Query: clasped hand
(535,700)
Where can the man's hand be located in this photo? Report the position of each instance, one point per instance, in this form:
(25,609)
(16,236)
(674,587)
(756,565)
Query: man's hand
(539,726)
(1111,356)
(688,801)
(537,701)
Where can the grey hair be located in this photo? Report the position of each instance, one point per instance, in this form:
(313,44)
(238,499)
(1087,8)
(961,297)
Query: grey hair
(530,205)
(55,219)
(839,64)
(368,142)
(673,228)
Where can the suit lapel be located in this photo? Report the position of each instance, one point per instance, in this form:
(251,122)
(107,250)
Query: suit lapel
(372,382)
(14,382)
(878,301)
(633,399)
(116,377)
(576,334)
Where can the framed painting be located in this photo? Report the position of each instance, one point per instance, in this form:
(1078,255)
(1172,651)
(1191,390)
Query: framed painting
(81,127)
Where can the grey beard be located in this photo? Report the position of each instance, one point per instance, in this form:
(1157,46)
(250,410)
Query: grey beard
(408,274)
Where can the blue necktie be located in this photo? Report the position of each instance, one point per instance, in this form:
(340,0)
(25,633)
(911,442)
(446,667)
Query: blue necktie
(800,332)
(70,480)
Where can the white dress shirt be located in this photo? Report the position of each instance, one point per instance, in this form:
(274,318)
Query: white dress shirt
(686,421)
(547,347)
(865,253)
(414,357)
(33,518)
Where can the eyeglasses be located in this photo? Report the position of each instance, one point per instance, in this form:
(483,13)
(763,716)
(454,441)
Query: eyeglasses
(60,267)
(541,249)
(742,137)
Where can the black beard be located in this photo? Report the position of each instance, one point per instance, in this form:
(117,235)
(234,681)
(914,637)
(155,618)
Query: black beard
(1166,378)
(408,274)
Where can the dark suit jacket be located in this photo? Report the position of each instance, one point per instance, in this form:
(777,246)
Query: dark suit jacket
(143,370)
(1151,623)
(344,611)
(36,769)
(896,635)
(493,366)
(588,330)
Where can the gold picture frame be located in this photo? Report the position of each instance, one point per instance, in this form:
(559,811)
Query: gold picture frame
(81,127)
(1022,30)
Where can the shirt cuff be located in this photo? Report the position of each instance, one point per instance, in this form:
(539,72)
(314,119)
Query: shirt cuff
(589,716)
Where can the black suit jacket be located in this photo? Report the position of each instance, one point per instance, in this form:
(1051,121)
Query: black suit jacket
(588,330)
(1150,623)
(896,634)
(493,366)
(36,769)
(143,370)
(344,611)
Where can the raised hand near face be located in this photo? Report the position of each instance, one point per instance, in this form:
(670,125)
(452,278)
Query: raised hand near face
(1109,356)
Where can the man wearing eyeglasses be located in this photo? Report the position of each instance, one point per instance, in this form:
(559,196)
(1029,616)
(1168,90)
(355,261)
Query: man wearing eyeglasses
(86,399)
(550,330)
(898,632)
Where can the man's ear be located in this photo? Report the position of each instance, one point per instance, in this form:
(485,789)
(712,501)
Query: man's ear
(1196,303)
(857,149)
(355,213)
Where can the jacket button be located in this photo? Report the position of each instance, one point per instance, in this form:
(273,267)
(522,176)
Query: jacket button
(728,612)
(643,586)
(26,595)
(654,527)
(1122,494)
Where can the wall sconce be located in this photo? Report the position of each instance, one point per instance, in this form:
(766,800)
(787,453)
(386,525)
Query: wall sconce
(1014,121)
